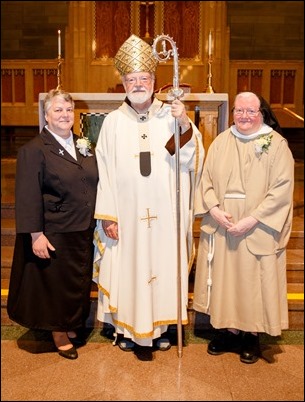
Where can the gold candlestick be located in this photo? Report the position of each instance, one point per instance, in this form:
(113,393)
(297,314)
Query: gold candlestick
(209,88)
(59,63)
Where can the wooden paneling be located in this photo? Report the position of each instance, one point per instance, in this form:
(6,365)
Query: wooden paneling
(6,86)
(19,86)
(275,86)
(289,84)
(21,83)
(13,85)
(280,83)
(281,90)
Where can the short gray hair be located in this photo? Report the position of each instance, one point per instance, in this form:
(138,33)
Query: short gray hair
(52,94)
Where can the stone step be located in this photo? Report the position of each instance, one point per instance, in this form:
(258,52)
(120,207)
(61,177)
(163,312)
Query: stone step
(8,231)
(7,211)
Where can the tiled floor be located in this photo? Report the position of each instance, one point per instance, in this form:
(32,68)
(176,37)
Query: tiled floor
(31,370)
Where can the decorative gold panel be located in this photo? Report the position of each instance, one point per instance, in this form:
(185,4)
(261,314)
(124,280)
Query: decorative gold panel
(115,21)
(112,23)
(181,21)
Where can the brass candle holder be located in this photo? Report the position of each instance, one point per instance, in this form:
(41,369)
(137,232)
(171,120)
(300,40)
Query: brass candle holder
(59,63)
(209,88)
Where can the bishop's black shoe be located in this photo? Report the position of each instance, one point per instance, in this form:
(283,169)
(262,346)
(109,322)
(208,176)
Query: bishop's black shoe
(250,350)
(225,341)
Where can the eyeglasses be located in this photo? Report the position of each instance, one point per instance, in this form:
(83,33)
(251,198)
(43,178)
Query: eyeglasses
(134,80)
(250,112)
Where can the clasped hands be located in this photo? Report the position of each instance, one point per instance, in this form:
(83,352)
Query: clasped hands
(224,219)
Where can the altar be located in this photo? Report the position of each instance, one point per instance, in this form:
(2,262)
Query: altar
(210,112)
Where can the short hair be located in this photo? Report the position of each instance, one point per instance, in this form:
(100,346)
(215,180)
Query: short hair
(269,117)
(52,94)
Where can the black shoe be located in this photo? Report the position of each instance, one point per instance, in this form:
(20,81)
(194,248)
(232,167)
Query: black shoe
(68,354)
(224,341)
(77,341)
(163,344)
(108,331)
(250,351)
(126,344)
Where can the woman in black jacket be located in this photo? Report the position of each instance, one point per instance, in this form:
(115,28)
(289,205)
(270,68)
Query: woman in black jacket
(56,182)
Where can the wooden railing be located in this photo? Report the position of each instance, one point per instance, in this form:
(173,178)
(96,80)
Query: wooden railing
(295,115)
(281,83)
(21,83)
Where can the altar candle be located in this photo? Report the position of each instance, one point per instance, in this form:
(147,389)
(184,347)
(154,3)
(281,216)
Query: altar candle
(59,44)
(210,43)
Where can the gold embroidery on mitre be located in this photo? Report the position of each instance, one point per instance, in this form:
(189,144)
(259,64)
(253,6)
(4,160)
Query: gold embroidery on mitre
(135,56)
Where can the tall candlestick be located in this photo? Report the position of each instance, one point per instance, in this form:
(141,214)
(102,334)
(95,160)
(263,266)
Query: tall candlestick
(210,43)
(209,88)
(59,44)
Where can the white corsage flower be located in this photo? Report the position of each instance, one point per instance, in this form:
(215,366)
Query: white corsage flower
(84,146)
(262,144)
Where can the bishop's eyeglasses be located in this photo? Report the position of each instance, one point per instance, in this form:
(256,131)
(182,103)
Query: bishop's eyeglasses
(143,80)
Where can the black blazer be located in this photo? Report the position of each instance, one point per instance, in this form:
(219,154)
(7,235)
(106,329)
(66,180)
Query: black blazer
(54,192)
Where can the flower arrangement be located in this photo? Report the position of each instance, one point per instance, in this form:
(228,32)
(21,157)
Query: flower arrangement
(262,144)
(84,146)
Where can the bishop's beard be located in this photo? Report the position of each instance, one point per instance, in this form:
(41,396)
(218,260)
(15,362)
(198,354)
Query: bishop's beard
(139,97)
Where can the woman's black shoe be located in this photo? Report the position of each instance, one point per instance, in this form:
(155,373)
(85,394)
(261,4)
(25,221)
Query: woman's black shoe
(224,341)
(77,341)
(250,351)
(68,354)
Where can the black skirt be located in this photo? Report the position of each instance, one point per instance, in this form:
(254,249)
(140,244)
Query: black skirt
(52,294)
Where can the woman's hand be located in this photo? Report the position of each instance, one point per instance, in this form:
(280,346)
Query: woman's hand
(223,218)
(41,245)
(243,226)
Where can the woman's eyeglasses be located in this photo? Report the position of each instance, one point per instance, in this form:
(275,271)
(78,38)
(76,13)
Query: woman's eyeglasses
(250,112)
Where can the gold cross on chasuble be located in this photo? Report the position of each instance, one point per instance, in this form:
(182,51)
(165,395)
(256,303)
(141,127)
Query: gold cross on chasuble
(149,217)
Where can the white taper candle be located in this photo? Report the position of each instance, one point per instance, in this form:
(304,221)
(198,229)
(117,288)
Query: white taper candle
(210,43)
(59,44)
